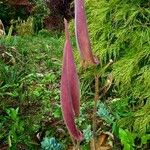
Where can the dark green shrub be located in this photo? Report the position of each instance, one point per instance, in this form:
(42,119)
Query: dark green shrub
(120,30)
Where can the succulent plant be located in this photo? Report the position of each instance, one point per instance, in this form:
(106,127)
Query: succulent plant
(50,144)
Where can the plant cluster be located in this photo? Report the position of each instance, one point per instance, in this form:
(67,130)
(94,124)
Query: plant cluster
(121,31)
(50,144)
(28,91)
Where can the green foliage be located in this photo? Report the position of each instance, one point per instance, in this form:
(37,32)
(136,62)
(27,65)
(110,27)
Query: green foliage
(127,139)
(8,13)
(120,31)
(24,27)
(29,68)
(122,34)
(142,120)
(40,11)
(15,126)
(104,113)
(145,138)
(22,15)
(119,116)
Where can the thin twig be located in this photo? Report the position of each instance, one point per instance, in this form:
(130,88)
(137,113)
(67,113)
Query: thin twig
(95,108)
(78,145)
(73,141)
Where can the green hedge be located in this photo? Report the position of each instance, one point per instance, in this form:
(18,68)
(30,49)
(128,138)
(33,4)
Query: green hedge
(120,30)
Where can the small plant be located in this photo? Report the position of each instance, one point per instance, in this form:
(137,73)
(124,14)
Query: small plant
(24,27)
(39,12)
(50,144)
(127,139)
(16,127)
(88,135)
(105,114)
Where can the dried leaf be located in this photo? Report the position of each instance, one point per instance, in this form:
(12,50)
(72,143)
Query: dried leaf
(102,139)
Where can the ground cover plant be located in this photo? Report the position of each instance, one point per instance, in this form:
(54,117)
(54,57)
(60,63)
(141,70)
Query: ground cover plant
(114,94)
(27,75)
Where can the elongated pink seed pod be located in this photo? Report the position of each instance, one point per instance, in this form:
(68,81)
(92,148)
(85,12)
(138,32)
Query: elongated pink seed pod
(69,89)
(81,31)
(72,74)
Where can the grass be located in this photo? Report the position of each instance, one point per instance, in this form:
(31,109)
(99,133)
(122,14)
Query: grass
(29,86)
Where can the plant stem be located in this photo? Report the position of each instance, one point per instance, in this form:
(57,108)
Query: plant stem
(73,141)
(78,145)
(95,108)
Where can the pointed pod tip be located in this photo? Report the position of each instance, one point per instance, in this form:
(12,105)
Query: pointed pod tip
(65,21)
(66,29)
(78,137)
(96,61)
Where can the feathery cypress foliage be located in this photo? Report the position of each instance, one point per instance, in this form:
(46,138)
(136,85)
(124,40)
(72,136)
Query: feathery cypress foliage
(120,30)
